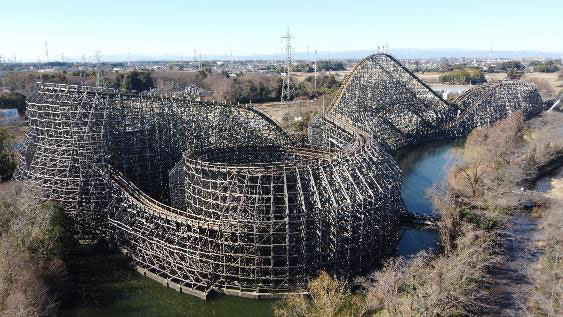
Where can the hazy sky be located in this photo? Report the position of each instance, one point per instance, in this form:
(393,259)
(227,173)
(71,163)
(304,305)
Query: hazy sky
(255,27)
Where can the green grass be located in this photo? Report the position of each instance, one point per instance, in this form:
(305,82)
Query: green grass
(106,286)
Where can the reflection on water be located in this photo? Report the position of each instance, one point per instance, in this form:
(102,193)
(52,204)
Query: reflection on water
(422,167)
(414,240)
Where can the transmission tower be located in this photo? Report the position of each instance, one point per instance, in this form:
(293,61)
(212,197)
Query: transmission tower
(46,53)
(99,79)
(287,92)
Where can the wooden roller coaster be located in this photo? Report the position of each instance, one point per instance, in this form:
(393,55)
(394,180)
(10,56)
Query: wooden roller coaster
(207,196)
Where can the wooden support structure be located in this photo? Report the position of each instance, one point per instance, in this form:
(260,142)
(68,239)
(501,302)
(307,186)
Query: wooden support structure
(207,196)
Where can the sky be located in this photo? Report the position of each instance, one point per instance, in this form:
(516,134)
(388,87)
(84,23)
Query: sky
(167,27)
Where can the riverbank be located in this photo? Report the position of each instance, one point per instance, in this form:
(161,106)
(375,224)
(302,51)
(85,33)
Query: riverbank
(496,181)
(547,272)
(488,237)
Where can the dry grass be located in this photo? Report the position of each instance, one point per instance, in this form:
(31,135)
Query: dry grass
(31,244)
(327,297)
(501,160)
(429,77)
(451,285)
(286,112)
(549,84)
(547,296)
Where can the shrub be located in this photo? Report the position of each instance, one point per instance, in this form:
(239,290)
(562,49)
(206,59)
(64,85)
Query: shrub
(425,285)
(7,156)
(13,100)
(326,296)
(33,238)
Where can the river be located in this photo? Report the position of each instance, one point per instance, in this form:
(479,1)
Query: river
(125,293)
(423,166)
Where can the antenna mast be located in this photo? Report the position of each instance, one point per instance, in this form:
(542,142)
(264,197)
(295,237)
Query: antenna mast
(287,90)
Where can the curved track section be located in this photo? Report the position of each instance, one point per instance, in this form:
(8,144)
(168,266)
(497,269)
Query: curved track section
(489,103)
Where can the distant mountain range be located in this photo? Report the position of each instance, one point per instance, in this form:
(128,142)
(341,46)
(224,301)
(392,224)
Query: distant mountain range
(358,54)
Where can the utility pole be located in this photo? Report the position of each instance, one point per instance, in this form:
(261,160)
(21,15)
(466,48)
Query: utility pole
(315,70)
(287,90)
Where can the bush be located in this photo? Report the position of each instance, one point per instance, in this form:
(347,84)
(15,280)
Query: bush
(330,66)
(549,66)
(134,80)
(245,91)
(7,156)
(452,285)
(13,100)
(327,296)
(34,236)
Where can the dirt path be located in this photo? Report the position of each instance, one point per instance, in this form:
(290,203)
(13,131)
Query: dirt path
(512,277)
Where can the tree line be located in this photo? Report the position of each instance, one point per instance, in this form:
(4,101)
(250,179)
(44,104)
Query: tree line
(463,76)
(246,90)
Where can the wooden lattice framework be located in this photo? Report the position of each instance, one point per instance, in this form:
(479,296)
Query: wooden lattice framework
(209,196)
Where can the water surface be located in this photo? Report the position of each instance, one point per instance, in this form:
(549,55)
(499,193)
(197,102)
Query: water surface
(423,166)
